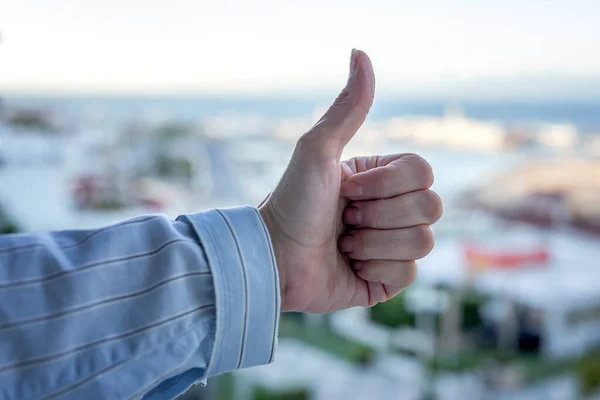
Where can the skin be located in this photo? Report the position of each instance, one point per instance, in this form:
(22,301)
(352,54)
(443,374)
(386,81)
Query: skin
(347,233)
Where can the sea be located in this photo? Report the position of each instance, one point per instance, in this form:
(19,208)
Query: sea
(585,115)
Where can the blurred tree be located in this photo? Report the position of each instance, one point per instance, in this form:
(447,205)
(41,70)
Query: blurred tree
(392,313)
(171,130)
(7,225)
(174,168)
(293,326)
(262,393)
(472,303)
(588,370)
(459,362)
(31,120)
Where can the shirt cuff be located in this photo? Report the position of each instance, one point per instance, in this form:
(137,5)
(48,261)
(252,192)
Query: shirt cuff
(239,252)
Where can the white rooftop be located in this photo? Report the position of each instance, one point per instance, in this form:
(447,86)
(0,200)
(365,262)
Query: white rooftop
(570,279)
(301,365)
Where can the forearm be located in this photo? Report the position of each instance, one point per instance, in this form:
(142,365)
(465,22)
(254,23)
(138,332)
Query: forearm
(116,312)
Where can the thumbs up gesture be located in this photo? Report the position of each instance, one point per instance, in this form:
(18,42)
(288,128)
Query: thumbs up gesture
(347,233)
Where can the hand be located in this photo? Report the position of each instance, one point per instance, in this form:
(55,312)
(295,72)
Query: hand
(347,233)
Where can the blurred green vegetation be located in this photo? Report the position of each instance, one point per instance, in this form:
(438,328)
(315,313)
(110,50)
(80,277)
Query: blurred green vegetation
(326,340)
(393,313)
(533,368)
(107,205)
(537,368)
(171,167)
(172,130)
(7,225)
(225,386)
(588,370)
(262,393)
(472,302)
(462,361)
(31,120)
(406,352)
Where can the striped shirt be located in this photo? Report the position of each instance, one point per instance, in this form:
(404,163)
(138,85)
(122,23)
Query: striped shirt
(141,309)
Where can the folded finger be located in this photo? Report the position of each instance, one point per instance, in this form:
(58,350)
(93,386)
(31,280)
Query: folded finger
(398,274)
(403,175)
(392,244)
(423,207)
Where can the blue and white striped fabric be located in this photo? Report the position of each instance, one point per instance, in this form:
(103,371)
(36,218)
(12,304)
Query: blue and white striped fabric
(140,309)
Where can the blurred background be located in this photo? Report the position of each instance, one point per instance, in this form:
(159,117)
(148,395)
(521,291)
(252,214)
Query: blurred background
(110,109)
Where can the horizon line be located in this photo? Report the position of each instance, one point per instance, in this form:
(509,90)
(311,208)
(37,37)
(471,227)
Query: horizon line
(293,95)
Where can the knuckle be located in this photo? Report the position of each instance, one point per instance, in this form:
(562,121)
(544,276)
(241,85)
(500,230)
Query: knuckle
(432,206)
(311,139)
(407,273)
(342,98)
(314,144)
(425,240)
(411,273)
(354,100)
(421,169)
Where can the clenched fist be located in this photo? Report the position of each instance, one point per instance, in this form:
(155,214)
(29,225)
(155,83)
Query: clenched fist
(347,233)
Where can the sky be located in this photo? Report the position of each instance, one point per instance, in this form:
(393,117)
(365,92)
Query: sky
(422,48)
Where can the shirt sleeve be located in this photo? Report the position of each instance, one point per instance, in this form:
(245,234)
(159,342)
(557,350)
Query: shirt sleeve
(141,309)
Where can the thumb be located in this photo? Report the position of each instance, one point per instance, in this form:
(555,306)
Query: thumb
(348,112)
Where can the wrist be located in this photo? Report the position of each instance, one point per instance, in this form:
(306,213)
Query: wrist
(274,235)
